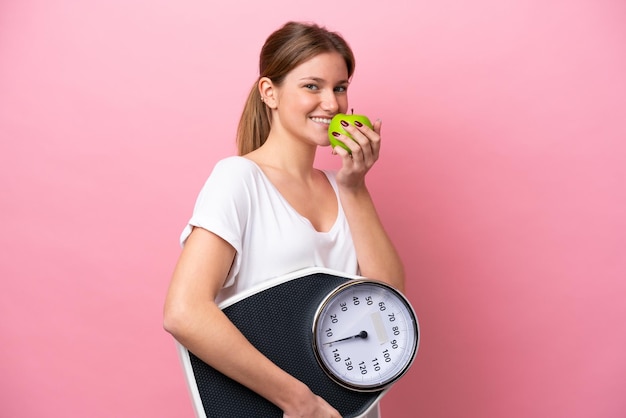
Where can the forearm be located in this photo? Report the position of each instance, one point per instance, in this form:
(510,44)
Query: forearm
(377,256)
(211,336)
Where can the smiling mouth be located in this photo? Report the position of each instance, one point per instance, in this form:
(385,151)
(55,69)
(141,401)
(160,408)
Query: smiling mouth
(325,121)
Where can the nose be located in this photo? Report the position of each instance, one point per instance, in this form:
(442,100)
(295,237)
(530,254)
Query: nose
(329,102)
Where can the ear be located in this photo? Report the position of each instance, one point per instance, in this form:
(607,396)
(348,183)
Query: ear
(269,93)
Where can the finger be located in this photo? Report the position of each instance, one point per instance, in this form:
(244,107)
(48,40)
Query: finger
(373,135)
(362,136)
(346,141)
(357,154)
(345,155)
(378,124)
(359,132)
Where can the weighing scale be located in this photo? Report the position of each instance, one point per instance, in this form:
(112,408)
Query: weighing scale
(348,338)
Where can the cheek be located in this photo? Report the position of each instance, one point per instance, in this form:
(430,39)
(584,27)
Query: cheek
(303,101)
(342,102)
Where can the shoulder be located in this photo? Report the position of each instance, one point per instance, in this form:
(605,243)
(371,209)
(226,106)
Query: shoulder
(235,164)
(227,194)
(231,176)
(234,170)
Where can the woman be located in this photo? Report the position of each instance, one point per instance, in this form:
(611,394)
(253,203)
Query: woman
(268,211)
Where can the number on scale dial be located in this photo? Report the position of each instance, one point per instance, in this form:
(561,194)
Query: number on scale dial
(365,335)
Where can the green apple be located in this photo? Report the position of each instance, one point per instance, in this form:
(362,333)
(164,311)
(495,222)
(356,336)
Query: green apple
(335,126)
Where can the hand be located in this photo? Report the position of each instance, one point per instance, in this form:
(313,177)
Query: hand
(312,407)
(365,148)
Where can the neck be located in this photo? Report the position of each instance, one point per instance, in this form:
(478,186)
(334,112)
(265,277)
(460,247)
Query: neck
(290,156)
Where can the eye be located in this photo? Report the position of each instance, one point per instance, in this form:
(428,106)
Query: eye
(311,87)
(341,89)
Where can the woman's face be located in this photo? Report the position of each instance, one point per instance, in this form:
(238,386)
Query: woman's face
(310,95)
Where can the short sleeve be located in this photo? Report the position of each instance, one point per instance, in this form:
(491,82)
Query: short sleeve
(222,207)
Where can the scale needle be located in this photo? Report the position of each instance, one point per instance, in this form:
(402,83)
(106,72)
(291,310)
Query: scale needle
(362,334)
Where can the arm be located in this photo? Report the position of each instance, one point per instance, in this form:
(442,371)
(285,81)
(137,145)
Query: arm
(378,258)
(194,319)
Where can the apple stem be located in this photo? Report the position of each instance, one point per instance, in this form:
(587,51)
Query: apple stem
(352,110)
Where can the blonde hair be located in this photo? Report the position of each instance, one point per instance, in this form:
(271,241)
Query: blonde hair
(284,50)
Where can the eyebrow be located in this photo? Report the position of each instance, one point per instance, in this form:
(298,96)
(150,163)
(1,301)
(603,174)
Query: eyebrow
(321,80)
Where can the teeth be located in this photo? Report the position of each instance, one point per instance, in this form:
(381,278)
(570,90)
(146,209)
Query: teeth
(321,120)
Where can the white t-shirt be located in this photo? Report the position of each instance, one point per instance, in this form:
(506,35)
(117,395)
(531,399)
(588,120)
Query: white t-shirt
(240,204)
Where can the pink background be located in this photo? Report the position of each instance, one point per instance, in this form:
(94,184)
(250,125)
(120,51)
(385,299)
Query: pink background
(502,181)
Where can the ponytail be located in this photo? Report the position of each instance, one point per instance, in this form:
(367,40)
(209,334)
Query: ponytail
(255,123)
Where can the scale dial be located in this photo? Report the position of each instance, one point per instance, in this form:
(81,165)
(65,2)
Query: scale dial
(365,335)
